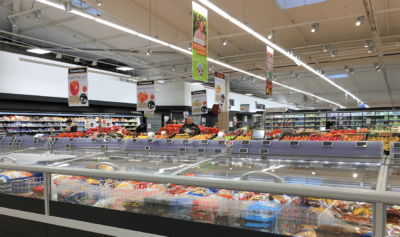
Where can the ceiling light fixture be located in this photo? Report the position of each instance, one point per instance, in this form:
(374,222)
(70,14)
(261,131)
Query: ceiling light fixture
(59,55)
(149,51)
(67,6)
(38,51)
(98,2)
(116,26)
(196,83)
(59,6)
(94,63)
(271,34)
(211,67)
(378,69)
(173,68)
(377,65)
(351,71)
(366,43)
(346,68)
(360,20)
(327,47)
(292,73)
(371,49)
(190,46)
(297,75)
(315,27)
(224,41)
(37,14)
(275,77)
(334,52)
(125,68)
(77,60)
(319,70)
(290,51)
(248,94)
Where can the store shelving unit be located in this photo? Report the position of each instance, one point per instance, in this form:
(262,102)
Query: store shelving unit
(394,118)
(131,124)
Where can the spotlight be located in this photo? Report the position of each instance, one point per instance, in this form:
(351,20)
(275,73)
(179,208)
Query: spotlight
(314,27)
(211,67)
(334,52)
(298,56)
(377,65)
(94,63)
(253,80)
(190,46)
(327,47)
(346,68)
(173,68)
(149,51)
(291,73)
(59,55)
(290,51)
(319,70)
(351,71)
(67,6)
(371,49)
(271,34)
(37,14)
(275,78)
(224,41)
(366,43)
(360,20)
(297,75)
(244,78)
(38,51)
(98,2)
(378,69)
(77,60)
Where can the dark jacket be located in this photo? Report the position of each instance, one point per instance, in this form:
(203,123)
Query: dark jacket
(192,126)
(141,129)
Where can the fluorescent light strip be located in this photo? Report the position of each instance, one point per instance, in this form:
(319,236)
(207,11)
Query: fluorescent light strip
(265,40)
(83,14)
(180,49)
(59,6)
(153,39)
(116,26)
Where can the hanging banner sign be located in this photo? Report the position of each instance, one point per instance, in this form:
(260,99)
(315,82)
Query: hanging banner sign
(270,69)
(106,123)
(244,107)
(146,100)
(199,102)
(219,88)
(78,86)
(279,109)
(90,123)
(199,42)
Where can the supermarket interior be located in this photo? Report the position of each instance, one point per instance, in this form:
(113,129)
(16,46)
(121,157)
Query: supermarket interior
(200,118)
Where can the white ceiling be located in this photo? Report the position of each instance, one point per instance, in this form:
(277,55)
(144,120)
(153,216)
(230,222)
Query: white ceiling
(170,21)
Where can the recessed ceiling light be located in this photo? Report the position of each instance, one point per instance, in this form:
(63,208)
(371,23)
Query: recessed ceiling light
(248,94)
(125,68)
(38,51)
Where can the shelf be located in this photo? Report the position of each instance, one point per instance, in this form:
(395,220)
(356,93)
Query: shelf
(36,131)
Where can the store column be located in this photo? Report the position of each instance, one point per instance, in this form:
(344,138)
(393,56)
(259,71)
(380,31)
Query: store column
(223,117)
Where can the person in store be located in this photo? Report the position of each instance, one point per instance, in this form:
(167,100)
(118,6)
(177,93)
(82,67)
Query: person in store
(141,128)
(240,125)
(170,121)
(189,127)
(71,127)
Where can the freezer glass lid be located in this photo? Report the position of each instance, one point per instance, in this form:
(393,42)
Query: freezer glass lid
(393,181)
(155,164)
(317,171)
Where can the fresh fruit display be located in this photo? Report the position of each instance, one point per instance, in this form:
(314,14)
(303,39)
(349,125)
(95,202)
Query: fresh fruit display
(72,135)
(247,134)
(386,141)
(364,130)
(142,136)
(295,138)
(181,136)
(325,137)
(203,136)
(209,130)
(162,136)
(343,131)
(353,138)
(170,129)
(276,131)
(242,138)
(129,137)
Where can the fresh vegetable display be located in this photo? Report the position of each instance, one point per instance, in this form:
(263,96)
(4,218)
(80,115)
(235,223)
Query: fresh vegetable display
(242,138)
(203,136)
(325,137)
(162,136)
(295,138)
(353,138)
(181,136)
(276,131)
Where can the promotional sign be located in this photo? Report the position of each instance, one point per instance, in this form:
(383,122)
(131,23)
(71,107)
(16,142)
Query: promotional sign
(106,123)
(185,114)
(199,102)
(219,88)
(244,108)
(199,42)
(361,105)
(78,86)
(270,69)
(146,100)
(260,106)
(90,123)
(279,109)
(245,118)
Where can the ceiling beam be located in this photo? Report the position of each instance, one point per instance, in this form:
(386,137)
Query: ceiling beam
(377,41)
(50,24)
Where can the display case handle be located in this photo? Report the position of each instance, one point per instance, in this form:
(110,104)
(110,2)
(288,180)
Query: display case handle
(7,157)
(277,178)
(116,167)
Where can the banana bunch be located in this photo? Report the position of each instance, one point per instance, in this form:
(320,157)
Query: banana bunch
(386,141)
(218,88)
(128,137)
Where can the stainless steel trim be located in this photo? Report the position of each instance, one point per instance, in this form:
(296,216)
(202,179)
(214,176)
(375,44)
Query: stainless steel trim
(277,178)
(7,157)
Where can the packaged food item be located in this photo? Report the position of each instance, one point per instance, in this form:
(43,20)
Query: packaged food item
(181,206)
(331,230)
(9,176)
(15,182)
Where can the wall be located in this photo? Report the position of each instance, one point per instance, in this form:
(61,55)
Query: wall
(26,78)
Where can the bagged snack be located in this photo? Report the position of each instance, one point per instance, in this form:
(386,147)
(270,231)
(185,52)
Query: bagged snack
(331,230)
(9,176)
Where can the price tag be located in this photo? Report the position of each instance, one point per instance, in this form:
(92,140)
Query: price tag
(107,139)
(204,142)
(134,140)
(396,156)
(119,140)
(150,140)
(10,144)
(201,150)
(19,141)
(266,143)
(103,146)
(243,150)
(221,142)
(168,141)
(294,143)
(396,145)
(264,151)
(36,141)
(94,140)
(57,139)
(182,149)
(218,151)
(71,139)
(147,148)
(245,142)
(361,144)
(327,143)
(185,141)
(67,146)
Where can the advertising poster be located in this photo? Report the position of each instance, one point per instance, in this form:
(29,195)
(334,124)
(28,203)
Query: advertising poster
(244,107)
(185,114)
(106,123)
(273,110)
(90,123)
(245,118)
(270,69)
(78,84)
(219,88)
(199,42)
(146,100)
(199,102)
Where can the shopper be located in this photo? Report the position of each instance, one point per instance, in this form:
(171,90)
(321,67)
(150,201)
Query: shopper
(71,127)
(190,127)
(170,121)
(141,128)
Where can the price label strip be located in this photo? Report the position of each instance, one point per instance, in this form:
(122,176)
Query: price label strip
(266,143)
(245,142)
(182,149)
(294,143)
(243,150)
(168,141)
(361,144)
(327,143)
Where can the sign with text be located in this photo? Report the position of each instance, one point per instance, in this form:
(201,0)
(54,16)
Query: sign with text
(90,123)
(219,88)
(199,102)
(78,84)
(146,100)
(106,123)
(199,42)
(244,107)
(278,109)
(270,69)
